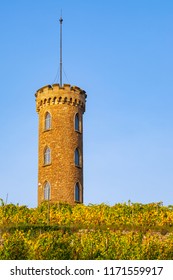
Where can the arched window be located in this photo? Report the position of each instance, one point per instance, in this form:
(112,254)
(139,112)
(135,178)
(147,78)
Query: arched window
(76,122)
(77,192)
(77,157)
(47,124)
(47,156)
(47,191)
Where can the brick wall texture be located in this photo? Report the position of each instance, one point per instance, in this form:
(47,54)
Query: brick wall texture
(62,174)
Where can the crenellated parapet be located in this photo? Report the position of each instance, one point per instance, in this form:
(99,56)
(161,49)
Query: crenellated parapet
(54,94)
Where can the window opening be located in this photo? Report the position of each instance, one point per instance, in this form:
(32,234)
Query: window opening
(47,156)
(77,157)
(47,121)
(77,122)
(77,192)
(47,191)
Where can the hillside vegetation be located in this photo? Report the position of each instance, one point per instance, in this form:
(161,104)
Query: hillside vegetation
(60,231)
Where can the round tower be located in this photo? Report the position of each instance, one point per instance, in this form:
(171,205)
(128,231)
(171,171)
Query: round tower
(60,151)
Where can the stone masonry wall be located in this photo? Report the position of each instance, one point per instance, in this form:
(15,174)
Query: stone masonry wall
(62,139)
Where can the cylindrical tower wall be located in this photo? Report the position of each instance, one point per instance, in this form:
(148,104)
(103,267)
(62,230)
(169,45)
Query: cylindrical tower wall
(60,152)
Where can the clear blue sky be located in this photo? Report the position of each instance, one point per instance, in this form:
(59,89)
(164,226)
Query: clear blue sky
(121,53)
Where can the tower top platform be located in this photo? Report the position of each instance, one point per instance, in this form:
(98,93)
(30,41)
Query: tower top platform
(55,94)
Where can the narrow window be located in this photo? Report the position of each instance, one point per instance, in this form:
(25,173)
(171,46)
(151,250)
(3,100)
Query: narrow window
(77,157)
(47,156)
(77,122)
(47,124)
(47,191)
(77,192)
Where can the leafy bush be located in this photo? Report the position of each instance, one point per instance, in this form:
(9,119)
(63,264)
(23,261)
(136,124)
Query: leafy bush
(60,231)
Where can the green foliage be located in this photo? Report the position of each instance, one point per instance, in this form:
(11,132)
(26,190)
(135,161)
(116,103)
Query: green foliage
(1,202)
(53,245)
(60,231)
(15,247)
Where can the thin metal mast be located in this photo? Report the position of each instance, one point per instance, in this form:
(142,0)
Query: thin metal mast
(61,20)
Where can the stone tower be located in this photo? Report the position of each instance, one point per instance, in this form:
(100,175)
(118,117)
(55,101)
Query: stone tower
(60,153)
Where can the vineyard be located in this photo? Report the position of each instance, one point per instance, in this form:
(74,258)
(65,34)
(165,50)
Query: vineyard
(59,231)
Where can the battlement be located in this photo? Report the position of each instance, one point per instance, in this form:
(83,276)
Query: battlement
(54,94)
